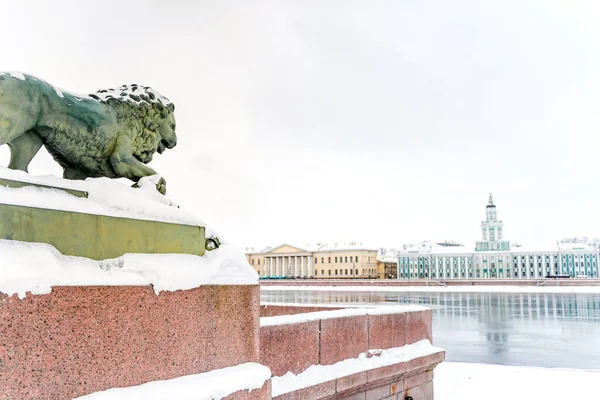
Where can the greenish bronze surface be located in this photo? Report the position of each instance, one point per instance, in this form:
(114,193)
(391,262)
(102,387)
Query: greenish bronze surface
(112,133)
(19,184)
(96,236)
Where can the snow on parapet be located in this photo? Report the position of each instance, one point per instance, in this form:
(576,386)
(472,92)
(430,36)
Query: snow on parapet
(317,374)
(107,197)
(346,312)
(215,384)
(37,267)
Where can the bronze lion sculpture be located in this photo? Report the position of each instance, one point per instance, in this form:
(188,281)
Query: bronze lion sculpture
(112,133)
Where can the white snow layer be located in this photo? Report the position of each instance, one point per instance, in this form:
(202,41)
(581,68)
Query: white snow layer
(17,75)
(36,267)
(210,385)
(316,374)
(105,197)
(458,289)
(122,92)
(452,381)
(347,312)
(465,381)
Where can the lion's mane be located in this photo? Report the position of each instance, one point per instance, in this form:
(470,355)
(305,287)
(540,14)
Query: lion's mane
(142,111)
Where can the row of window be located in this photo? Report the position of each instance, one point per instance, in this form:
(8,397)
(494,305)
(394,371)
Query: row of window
(342,272)
(344,259)
(491,274)
(411,273)
(516,267)
(407,260)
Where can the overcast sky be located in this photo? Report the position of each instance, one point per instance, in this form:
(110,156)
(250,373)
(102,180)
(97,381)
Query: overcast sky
(386,122)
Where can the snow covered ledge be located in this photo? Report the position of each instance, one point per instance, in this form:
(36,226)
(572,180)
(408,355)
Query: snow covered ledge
(251,382)
(327,354)
(379,374)
(37,267)
(72,326)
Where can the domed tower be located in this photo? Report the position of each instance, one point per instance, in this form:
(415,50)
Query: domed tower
(491,231)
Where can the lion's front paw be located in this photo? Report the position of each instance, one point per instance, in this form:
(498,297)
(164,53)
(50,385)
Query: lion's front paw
(161,186)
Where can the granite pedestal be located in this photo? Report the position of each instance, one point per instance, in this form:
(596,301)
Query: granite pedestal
(79,340)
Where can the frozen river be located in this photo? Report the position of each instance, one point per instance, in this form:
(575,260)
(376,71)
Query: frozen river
(535,329)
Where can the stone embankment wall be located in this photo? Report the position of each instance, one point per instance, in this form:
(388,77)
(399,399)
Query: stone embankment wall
(79,340)
(295,342)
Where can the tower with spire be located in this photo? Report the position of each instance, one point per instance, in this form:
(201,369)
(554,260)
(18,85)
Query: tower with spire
(491,231)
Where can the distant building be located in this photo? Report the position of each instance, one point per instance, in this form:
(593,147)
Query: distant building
(387,265)
(321,261)
(493,257)
(491,231)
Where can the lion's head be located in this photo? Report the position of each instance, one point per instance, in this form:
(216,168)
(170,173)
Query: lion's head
(148,116)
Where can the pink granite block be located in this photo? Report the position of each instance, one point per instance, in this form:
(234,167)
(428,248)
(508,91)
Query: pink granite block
(378,393)
(389,371)
(387,331)
(418,326)
(355,396)
(343,338)
(422,392)
(349,382)
(79,340)
(316,392)
(264,393)
(292,347)
(425,363)
(418,380)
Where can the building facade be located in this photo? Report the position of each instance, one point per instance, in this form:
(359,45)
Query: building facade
(491,231)
(387,266)
(493,257)
(321,261)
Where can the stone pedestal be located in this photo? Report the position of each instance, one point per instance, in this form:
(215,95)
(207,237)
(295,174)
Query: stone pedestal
(79,340)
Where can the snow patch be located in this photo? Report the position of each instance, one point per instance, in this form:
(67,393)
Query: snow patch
(132,93)
(317,374)
(346,312)
(106,196)
(395,309)
(313,316)
(323,305)
(465,381)
(17,75)
(211,385)
(37,267)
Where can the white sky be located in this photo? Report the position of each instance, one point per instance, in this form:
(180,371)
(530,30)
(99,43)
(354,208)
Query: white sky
(386,122)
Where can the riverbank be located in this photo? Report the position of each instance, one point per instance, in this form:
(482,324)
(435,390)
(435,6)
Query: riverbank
(466,381)
(431,283)
(429,289)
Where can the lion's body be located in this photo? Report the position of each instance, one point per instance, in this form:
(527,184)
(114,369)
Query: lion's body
(89,136)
